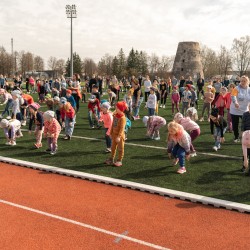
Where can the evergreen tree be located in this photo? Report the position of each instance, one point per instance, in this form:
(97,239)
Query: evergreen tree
(77,65)
(115,66)
(121,64)
(131,63)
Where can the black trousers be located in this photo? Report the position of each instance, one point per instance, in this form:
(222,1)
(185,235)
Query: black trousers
(235,124)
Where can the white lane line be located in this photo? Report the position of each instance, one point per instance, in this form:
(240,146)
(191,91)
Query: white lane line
(118,239)
(148,146)
(141,242)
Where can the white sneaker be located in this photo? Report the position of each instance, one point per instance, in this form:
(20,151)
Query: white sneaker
(193,154)
(237,140)
(164,106)
(157,138)
(13,143)
(201,120)
(161,106)
(8,143)
(8,117)
(23,123)
(215,148)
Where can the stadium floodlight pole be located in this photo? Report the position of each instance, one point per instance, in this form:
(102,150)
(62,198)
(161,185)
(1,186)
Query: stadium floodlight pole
(71,13)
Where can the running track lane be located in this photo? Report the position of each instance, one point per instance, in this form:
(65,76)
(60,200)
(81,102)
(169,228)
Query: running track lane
(165,222)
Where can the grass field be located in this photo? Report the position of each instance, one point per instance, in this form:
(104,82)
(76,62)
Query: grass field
(207,175)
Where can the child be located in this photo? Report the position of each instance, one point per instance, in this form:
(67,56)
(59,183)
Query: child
(107,119)
(52,130)
(16,109)
(208,99)
(70,98)
(49,102)
(12,130)
(192,114)
(56,109)
(37,118)
(28,99)
(7,101)
(164,93)
(153,124)
(175,98)
(186,98)
(179,143)
(231,86)
(220,128)
(128,99)
(118,135)
(220,102)
(68,117)
(93,111)
(151,102)
(41,92)
(190,126)
(84,93)
(112,97)
(194,97)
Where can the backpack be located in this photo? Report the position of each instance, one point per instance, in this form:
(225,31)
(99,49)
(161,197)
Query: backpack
(246,138)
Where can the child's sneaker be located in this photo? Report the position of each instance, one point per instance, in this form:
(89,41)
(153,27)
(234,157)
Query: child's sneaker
(215,148)
(161,106)
(8,117)
(8,143)
(237,140)
(193,154)
(157,138)
(164,106)
(175,161)
(13,143)
(202,119)
(37,145)
(108,150)
(118,164)
(52,152)
(181,170)
(23,123)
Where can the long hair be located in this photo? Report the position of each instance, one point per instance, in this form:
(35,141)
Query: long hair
(179,130)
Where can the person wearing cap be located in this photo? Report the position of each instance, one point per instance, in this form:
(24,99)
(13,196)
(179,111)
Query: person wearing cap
(70,98)
(93,111)
(12,130)
(175,99)
(36,118)
(49,102)
(220,125)
(207,101)
(151,102)
(186,99)
(7,101)
(68,117)
(118,135)
(52,129)
(153,124)
(106,118)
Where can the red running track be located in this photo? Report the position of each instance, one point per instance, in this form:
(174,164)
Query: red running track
(146,218)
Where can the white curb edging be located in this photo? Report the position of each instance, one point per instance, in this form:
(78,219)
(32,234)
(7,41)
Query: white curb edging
(243,208)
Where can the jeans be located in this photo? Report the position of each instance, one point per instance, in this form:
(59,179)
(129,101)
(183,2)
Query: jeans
(137,108)
(107,139)
(94,121)
(217,136)
(69,128)
(7,107)
(151,111)
(180,153)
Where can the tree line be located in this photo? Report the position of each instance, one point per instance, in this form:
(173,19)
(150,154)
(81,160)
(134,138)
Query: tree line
(135,63)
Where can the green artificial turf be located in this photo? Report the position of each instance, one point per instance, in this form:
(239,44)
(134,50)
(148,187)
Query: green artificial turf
(211,176)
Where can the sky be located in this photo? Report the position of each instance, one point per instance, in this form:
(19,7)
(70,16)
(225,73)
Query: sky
(105,26)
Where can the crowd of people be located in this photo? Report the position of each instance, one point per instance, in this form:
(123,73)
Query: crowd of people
(224,102)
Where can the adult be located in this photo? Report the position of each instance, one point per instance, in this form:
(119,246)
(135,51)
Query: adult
(92,82)
(174,82)
(147,85)
(189,81)
(217,85)
(137,100)
(226,82)
(181,85)
(240,98)
(100,84)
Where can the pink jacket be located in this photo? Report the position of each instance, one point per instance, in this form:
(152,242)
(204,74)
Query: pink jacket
(175,97)
(221,101)
(107,120)
(228,100)
(188,124)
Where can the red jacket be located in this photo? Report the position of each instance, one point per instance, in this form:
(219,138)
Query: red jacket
(93,105)
(70,114)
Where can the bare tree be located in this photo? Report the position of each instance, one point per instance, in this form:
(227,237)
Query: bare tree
(52,63)
(89,67)
(241,54)
(154,63)
(25,61)
(38,63)
(60,66)
(224,61)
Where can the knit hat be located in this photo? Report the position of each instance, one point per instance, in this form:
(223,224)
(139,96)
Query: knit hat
(178,117)
(209,86)
(192,110)
(63,100)
(56,98)
(4,123)
(122,106)
(188,86)
(175,87)
(92,98)
(106,105)
(49,114)
(48,96)
(34,106)
(68,91)
(145,120)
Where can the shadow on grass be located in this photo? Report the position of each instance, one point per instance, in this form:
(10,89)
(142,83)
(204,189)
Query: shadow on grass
(151,157)
(243,197)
